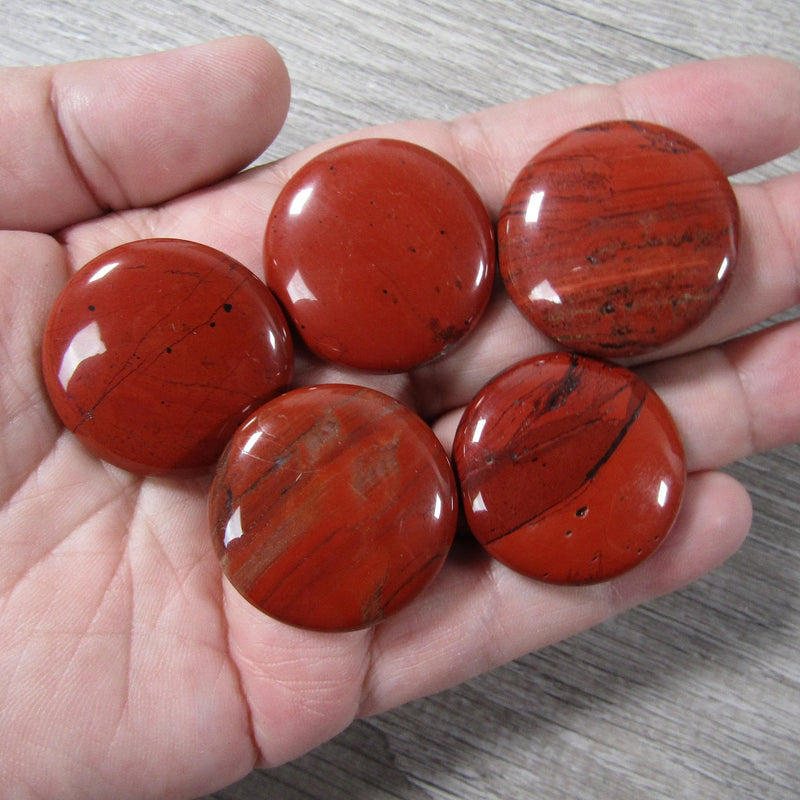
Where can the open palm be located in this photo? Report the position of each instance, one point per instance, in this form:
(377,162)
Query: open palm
(128,667)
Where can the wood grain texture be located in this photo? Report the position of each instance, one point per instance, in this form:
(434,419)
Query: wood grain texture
(694,695)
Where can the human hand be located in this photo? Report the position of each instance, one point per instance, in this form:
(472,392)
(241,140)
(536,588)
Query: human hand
(128,667)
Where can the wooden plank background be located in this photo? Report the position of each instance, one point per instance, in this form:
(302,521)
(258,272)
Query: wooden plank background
(696,695)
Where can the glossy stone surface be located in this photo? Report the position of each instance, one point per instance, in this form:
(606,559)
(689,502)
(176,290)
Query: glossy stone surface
(618,237)
(571,469)
(157,350)
(333,507)
(382,253)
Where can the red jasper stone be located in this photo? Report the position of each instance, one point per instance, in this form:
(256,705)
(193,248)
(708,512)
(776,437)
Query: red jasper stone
(571,469)
(382,253)
(157,350)
(618,237)
(333,507)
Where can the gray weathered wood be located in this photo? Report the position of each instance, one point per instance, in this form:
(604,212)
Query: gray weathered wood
(694,695)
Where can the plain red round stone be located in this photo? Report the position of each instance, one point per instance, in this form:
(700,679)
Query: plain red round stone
(156,351)
(382,253)
(333,507)
(571,469)
(618,237)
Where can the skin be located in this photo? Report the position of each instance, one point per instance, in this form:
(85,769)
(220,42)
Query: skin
(128,667)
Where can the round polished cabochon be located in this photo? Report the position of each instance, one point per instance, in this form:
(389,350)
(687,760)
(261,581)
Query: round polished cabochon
(571,469)
(618,237)
(155,351)
(333,507)
(382,253)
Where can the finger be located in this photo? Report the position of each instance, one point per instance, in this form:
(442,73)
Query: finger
(746,401)
(765,283)
(478,614)
(691,98)
(766,280)
(492,145)
(743,111)
(728,402)
(86,137)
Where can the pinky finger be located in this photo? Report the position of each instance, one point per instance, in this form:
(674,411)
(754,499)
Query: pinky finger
(479,614)
(736,399)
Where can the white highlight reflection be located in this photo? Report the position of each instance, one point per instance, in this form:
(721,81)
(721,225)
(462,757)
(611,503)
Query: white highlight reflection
(233,530)
(478,432)
(481,275)
(251,442)
(299,201)
(663,491)
(534,207)
(437,508)
(101,273)
(87,342)
(298,290)
(723,268)
(478,504)
(544,291)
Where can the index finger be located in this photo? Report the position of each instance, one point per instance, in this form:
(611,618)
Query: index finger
(743,111)
(491,146)
(83,138)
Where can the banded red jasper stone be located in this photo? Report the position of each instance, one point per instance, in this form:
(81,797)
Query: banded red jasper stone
(382,253)
(156,351)
(618,237)
(333,507)
(571,469)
